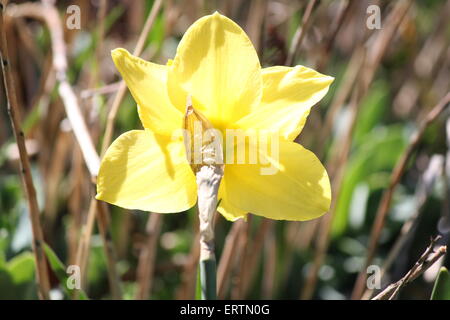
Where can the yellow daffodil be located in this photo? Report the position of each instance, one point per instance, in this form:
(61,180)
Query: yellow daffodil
(217,65)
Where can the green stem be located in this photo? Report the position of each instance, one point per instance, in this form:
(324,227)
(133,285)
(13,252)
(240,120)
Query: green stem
(208,279)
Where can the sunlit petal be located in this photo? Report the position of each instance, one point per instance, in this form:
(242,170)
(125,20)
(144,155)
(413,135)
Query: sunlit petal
(217,64)
(298,189)
(288,95)
(147,83)
(149,172)
(229,211)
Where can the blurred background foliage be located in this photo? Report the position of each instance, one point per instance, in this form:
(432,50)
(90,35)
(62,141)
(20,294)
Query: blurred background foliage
(387,81)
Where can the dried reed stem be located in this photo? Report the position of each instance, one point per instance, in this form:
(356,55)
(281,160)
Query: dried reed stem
(146,265)
(103,221)
(423,190)
(228,258)
(253,256)
(49,14)
(386,199)
(300,33)
(428,258)
(85,240)
(371,58)
(13,109)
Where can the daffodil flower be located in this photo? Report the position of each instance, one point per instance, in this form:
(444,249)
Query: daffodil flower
(217,65)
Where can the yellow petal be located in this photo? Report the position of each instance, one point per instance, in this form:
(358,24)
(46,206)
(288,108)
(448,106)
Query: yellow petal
(218,66)
(149,172)
(299,190)
(148,85)
(288,95)
(229,211)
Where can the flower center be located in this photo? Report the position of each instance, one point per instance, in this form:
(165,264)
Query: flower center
(202,141)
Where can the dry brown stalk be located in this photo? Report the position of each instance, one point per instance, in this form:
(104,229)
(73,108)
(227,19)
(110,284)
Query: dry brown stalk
(371,59)
(350,76)
(386,199)
(423,190)
(300,33)
(85,240)
(299,236)
(101,33)
(107,89)
(188,278)
(49,14)
(146,264)
(344,13)
(255,22)
(38,238)
(270,266)
(228,258)
(252,256)
(103,221)
(426,260)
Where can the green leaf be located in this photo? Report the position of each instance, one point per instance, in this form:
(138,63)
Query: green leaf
(60,271)
(21,268)
(17,280)
(364,163)
(198,288)
(373,109)
(441,289)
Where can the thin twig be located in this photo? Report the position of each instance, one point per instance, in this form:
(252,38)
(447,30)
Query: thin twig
(147,256)
(100,35)
(252,256)
(424,188)
(188,276)
(348,81)
(255,22)
(388,193)
(107,89)
(428,258)
(49,14)
(344,13)
(269,266)
(85,240)
(38,238)
(229,254)
(444,221)
(244,254)
(371,58)
(103,221)
(300,33)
